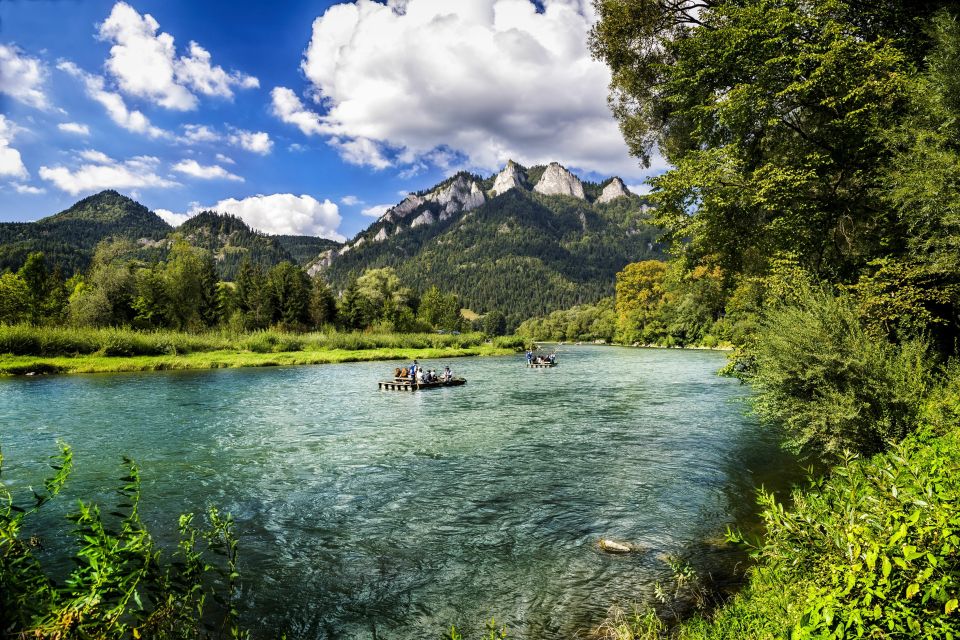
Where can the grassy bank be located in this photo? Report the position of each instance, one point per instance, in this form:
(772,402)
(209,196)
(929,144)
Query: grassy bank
(25,349)
(873,551)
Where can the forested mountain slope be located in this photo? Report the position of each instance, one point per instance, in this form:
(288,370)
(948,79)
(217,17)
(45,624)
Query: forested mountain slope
(501,244)
(68,238)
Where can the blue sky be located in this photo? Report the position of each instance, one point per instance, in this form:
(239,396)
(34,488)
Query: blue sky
(301,117)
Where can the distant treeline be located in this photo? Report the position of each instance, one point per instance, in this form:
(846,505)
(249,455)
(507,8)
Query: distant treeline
(184,293)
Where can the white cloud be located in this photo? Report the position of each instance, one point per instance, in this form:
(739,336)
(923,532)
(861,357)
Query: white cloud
(23,77)
(11,164)
(74,128)
(278,213)
(27,189)
(193,133)
(205,172)
(351,201)
(253,141)
(376,210)
(102,172)
(225,159)
(95,87)
(289,108)
(171,218)
(480,82)
(145,65)
(99,157)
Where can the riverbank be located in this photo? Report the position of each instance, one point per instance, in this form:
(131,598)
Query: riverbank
(26,350)
(34,365)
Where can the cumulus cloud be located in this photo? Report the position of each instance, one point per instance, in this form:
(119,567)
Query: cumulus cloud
(484,81)
(171,218)
(193,133)
(11,164)
(253,141)
(27,189)
(145,65)
(376,210)
(99,171)
(95,87)
(204,172)
(278,213)
(23,77)
(99,157)
(351,201)
(75,128)
(225,159)
(288,107)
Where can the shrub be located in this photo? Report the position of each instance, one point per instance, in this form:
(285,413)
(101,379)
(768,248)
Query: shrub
(120,586)
(830,384)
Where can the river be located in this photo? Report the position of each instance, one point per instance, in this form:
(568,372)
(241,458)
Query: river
(368,514)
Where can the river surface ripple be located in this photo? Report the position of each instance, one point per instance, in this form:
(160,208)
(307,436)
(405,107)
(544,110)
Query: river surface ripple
(367,514)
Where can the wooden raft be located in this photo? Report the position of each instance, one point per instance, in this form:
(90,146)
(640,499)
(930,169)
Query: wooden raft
(403,384)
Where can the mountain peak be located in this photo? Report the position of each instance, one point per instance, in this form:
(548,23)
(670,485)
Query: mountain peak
(510,177)
(557,181)
(107,206)
(614,189)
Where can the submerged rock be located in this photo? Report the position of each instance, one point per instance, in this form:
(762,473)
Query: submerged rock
(612,546)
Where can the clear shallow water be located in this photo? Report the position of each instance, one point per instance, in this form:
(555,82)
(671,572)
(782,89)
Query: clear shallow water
(367,514)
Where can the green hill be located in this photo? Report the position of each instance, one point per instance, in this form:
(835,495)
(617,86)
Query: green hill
(68,238)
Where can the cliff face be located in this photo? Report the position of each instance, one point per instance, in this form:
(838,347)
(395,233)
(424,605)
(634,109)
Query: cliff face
(511,177)
(557,181)
(615,189)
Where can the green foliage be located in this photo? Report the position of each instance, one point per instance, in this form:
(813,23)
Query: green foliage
(583,322)
(120,586)
(773,115)
(24,340)
(495,324)
(831,384)
(493,632)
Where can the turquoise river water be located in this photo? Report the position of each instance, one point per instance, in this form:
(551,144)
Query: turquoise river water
(368,514)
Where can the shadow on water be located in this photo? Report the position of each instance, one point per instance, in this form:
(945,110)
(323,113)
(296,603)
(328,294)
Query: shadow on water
(367,514)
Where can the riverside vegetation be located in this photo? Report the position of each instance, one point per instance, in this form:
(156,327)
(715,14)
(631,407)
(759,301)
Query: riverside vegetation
(816,187)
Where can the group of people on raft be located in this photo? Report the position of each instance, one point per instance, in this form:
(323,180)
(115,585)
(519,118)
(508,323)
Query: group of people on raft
(418,374)
(532,359)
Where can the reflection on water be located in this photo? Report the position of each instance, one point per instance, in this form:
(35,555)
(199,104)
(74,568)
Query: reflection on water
(367,514)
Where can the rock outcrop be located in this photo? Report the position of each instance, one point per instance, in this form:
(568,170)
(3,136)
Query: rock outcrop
(557,181)
(511,177)
(615,189)
(461,194)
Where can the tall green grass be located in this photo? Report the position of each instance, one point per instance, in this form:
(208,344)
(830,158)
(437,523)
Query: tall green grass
(27,340)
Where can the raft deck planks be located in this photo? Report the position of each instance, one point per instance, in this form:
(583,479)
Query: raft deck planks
(400,384)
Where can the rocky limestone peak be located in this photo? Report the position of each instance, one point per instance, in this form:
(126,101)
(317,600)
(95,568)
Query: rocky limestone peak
(461,194)
(402,210)
(510,177)
(557,181)
(615,189)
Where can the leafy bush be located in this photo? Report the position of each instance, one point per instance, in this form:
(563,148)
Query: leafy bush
(830,383)
(120,586)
